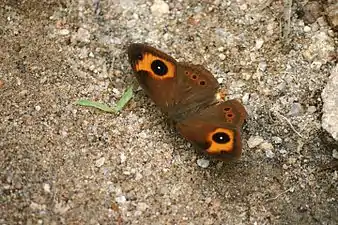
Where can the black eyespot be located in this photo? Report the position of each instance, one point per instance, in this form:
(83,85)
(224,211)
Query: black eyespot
(139,56)
(159,68)
(202,82)
(221,138)
(226,109)
(194,77)
(187,73)
(229,115)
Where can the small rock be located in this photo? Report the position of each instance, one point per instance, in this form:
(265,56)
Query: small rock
(267,147)
(330,106)
(64,32)
(116,92)
(269,154)
(262,66)
(259,44)
(311,109)
(296,109)
(123,157)
(100,162)
(159,8)
(245,98)
(38,108)
(221,56)
(254,141)
(204,163)
(46,187)
(307,29)
(277,140)
(142,206)
(121,199)
(335,153)
(2,83)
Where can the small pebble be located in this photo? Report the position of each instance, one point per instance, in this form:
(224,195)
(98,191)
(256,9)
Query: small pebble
(245,98)
(46,187)
(277,140)
(221,56)
(159,8)
(269,154)
(100,162)
(262,66)
(116,91)
(335,153)
(64,32)
(142,206)
(296,109)
(204,163)
(259,43)
(311,109)
(37,108)
(121,199)
(123,157)
(254,141)
(307,29)
(267,147)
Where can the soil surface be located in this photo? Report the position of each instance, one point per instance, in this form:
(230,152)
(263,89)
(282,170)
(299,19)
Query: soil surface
(62,163)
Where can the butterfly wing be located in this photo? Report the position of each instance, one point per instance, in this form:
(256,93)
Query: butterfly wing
(216,130)
(179,89)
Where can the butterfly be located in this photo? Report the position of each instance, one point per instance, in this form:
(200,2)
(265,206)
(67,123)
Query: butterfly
(188,95)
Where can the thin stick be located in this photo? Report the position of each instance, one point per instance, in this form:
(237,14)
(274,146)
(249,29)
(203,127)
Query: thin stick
(287,120)
(280,194)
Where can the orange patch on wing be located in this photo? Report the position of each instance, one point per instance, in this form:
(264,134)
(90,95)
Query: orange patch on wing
(145,65)
(217,147)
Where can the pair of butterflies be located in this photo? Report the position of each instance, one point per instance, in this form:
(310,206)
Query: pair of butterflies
(188,95)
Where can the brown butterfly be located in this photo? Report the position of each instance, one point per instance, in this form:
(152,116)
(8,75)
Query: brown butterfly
(187,94)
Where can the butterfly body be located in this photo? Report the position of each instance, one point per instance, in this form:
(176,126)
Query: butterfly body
(187,94)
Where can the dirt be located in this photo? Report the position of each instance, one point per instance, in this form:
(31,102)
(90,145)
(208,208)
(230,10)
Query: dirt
(62,163)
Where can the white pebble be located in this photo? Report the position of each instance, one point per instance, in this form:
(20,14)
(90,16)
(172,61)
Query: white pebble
(245,98)
(121,199)
(307,29)
(123,157)
(159,8)
(266,146)
(100,162)
(254,141)
(277,140)
(46,187)
(269,154)
(37,108)
(204,163)
(335,153)
(221,56)
(259,44)
(64,32)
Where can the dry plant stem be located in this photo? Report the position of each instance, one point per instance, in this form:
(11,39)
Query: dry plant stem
(280,194)
(280,116)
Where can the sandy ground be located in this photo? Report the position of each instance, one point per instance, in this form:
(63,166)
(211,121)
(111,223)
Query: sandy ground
(66,164)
